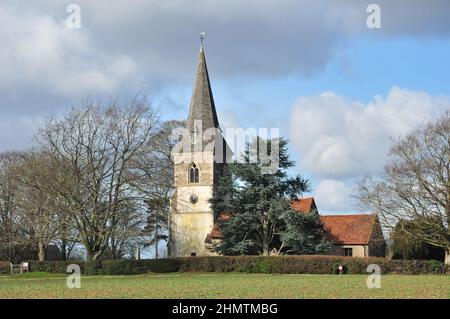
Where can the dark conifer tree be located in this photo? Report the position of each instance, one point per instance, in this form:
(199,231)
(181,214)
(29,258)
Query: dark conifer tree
(257,194)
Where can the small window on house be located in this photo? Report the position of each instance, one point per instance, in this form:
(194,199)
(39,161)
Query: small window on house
(193,173)
(348,252)
(193,254)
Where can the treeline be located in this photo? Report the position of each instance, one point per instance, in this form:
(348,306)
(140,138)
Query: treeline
(99,177)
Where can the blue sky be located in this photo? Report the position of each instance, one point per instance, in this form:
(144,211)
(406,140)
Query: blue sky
(368,66)
(338,90)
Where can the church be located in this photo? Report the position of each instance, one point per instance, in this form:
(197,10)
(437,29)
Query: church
(193,226)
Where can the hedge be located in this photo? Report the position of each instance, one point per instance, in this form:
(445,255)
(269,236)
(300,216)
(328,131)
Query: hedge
(131,267)
(59,266)
(249,264)
(308,265)
(110,267)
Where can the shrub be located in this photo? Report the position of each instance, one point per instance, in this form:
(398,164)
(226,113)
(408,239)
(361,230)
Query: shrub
(250,264)
(275,264)
(131,267)
(93,268)
(436,267)
(306,265)
(5,267)
(59,266)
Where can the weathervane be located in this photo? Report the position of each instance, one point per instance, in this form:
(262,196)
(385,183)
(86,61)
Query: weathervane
(202,38)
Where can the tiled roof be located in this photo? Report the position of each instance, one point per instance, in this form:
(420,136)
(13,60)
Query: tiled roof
(216,233)
(350,229)
(342,229)
(304,205)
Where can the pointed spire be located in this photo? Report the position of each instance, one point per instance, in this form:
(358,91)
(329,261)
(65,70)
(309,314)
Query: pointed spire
(202,39)
(202,103)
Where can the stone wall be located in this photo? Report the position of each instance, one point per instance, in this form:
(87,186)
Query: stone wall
(190,223)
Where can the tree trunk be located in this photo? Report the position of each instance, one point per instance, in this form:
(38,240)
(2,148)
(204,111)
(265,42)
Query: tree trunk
(41,251)
(156,242)
(137,254)
(64,250)
(266,251)
(96,255)
(447,256)
(93,254)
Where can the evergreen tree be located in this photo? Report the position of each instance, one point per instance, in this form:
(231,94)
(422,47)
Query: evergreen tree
(262,220)
(156,225)
(304,234)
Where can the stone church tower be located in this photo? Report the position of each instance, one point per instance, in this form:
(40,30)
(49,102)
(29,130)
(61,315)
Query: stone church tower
(197,169)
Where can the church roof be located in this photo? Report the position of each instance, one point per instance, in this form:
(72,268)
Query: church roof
(202,106)
(202,111)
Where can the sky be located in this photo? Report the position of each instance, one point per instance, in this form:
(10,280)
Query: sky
(338,90)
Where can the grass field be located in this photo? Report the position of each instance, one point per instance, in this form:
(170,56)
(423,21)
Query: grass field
(230,285)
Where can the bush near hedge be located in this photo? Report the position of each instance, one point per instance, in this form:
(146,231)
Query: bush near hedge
(249,264)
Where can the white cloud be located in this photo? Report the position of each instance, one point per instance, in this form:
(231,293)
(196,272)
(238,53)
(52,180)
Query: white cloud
(333,195)
(336,137)
(248,37)
(41,52)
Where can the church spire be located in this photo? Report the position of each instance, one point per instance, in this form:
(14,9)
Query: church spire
(202,103)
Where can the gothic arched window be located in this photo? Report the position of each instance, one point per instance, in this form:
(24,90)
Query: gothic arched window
(193,173)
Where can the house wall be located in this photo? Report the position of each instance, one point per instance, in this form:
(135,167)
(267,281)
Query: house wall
(358,250)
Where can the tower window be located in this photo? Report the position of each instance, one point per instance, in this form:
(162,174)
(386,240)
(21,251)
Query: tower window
(193,173)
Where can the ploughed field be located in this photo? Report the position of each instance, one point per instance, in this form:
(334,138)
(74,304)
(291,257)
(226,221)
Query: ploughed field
(224,285)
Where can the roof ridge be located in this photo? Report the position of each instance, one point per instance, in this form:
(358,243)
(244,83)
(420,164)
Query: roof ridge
(356,214)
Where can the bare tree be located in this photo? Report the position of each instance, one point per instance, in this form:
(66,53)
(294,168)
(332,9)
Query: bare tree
(67,236)
(155,183)
(130,221)
(11,234)
(88,180)
(415,185)
(37,207)
(96,146)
